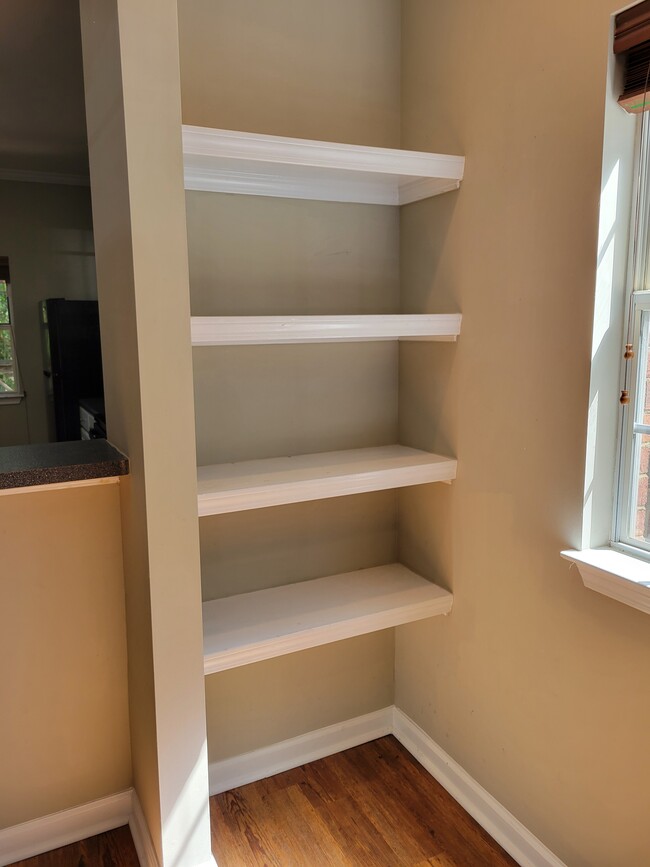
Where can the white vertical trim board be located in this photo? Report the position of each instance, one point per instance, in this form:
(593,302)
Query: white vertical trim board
(147,855)
(267,761)
(67,826)
(500,824)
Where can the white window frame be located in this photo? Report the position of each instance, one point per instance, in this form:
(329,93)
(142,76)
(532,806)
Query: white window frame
(606,563)
(637,312)
(15,396)
(628,471)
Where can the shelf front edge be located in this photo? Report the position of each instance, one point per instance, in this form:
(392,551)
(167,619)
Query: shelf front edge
(271,330)
(324,488)
(326,634)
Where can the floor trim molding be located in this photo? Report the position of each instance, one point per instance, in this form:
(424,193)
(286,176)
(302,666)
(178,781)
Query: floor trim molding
(67,826)
(284,755)
(147,855)
(500,824)
(508,831)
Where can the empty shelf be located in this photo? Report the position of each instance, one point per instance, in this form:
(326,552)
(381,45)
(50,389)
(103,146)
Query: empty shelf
(242,629)
(265,165)
(241,330)
(277,481)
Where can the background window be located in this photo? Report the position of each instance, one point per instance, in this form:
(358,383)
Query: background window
(9,375)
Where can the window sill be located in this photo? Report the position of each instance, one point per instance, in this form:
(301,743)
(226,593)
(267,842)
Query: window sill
(617,575)
(6,400)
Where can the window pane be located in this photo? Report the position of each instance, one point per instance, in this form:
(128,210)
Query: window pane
(7,380)
(4,304)
(6,345)
(640,512)
(641,508)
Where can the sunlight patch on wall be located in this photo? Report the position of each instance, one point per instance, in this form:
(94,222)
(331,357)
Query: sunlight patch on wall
(606,250)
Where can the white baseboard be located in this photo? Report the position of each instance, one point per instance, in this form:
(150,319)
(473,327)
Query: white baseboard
(59,829)
(500,824)
(265,762)
(517,840)
(147,855)
(78,823)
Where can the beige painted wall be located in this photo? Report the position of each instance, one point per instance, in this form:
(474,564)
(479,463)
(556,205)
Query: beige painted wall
(256,255)
(64,728)
(46,231)
(299,68)
(313,70)
(251,255)
(246,551)
(262,704)
(537,686)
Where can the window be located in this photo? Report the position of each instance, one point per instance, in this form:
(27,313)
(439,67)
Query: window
(632,507)
(612,547)
(9,374)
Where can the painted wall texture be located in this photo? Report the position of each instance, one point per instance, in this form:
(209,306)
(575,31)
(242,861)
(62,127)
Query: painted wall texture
(537,686)
(64,726)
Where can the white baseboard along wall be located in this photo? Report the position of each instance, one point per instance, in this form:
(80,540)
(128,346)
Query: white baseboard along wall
(58,829)
(68,826)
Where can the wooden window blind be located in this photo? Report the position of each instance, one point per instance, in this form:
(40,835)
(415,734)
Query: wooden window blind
(632,39)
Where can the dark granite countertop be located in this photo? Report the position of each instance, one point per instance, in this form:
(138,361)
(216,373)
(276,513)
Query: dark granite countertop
(53,463)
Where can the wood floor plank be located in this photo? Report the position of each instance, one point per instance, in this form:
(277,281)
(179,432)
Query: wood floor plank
(390,819)
(439,861)
(381,765)
(372,806)
(343,816)
(347,822)
(242,831)
(308,825)
(469,839)
(111,849)
(430,805)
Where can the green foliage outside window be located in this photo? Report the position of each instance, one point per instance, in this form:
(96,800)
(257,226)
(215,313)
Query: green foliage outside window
(7,352)
(4,304)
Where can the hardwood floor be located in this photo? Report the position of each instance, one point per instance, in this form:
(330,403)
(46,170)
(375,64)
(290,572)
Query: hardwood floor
(371,806)
(112,849)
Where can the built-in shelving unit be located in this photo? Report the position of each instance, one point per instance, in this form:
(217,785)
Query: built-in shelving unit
(251,330)
(250,627)
(257,484)
(225,161)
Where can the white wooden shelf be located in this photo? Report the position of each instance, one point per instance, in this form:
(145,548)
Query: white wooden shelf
(250,627)
(247,330)
(225,161)
(276,481)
